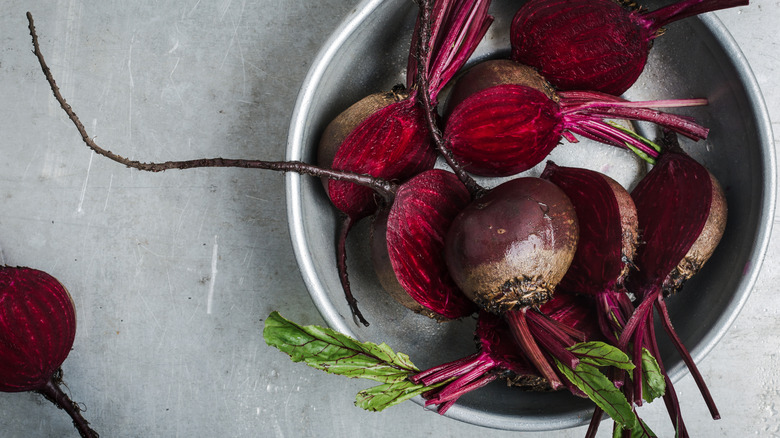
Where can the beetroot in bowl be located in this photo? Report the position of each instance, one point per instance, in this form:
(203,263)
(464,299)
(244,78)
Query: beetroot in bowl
(696,57)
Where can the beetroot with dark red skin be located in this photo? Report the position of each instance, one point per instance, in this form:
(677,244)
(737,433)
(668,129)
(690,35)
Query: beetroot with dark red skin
(503,118)
(37,329)
(595,45)
(507,251)
(509,248)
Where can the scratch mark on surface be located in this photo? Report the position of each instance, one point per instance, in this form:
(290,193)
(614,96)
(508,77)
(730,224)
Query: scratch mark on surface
(210,299)
(225,9)
(175,88)
(194,7)
(149,309)
(110,183)
(181,216)
(84,186)
(130,61)
(233,40)
(175,46)
(175,65)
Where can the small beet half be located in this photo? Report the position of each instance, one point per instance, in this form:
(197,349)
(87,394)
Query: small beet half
(37,329)
(682,214)
(407,245)
(609,235)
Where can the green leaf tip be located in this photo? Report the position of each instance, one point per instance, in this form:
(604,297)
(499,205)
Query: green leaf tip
(333,352)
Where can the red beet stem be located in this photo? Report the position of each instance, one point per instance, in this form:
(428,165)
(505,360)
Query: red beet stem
(54,393)
(422,38)
(595,421)
(468,381)
(341,258)
(684,9)
(449,370)
(686,356)
(577,105)
(456,28)
(597,129)
(670,395)
(524,337)
(553,340)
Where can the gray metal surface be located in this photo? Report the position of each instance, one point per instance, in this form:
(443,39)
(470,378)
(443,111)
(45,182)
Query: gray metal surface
(173,273)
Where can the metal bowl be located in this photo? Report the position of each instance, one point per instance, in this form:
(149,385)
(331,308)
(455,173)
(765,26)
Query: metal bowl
(695,58)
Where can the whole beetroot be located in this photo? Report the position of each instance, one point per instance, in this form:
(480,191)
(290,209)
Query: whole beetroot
(37,329)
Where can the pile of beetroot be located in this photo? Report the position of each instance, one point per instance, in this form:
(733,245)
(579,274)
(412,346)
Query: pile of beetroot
(560,266)
(565,272)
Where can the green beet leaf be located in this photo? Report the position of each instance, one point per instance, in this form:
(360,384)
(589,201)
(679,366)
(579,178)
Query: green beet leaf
(602,392)
(601,354)
(638,432)
(336,353)
(653,382)
(383,396)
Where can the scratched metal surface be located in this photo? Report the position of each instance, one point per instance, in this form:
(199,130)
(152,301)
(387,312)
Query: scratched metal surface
(172,274)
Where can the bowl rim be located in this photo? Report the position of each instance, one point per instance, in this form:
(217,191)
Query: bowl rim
(335,320)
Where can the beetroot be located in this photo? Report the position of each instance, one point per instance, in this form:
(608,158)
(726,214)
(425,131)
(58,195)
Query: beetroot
(595,45)
(508,250)
(408,245)
(501,122)
(609,237)
(385,134)
(682,215)
(37,329)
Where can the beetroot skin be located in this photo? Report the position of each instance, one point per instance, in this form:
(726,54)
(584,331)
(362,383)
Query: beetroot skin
(596,45)
(36,328)
(508,249)
(503,119)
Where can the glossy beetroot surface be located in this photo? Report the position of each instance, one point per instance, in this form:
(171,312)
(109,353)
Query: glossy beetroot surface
(594,44)
(509,248)
(37,328)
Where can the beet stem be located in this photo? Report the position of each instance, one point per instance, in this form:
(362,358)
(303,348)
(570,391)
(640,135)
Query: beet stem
(670,395)
(522,334)
(384,188)
(688,8)
(686,356)
(423,50)
(341,256)
(452,369)
(595,421)
(578,105)
(469,381)
(54,393)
